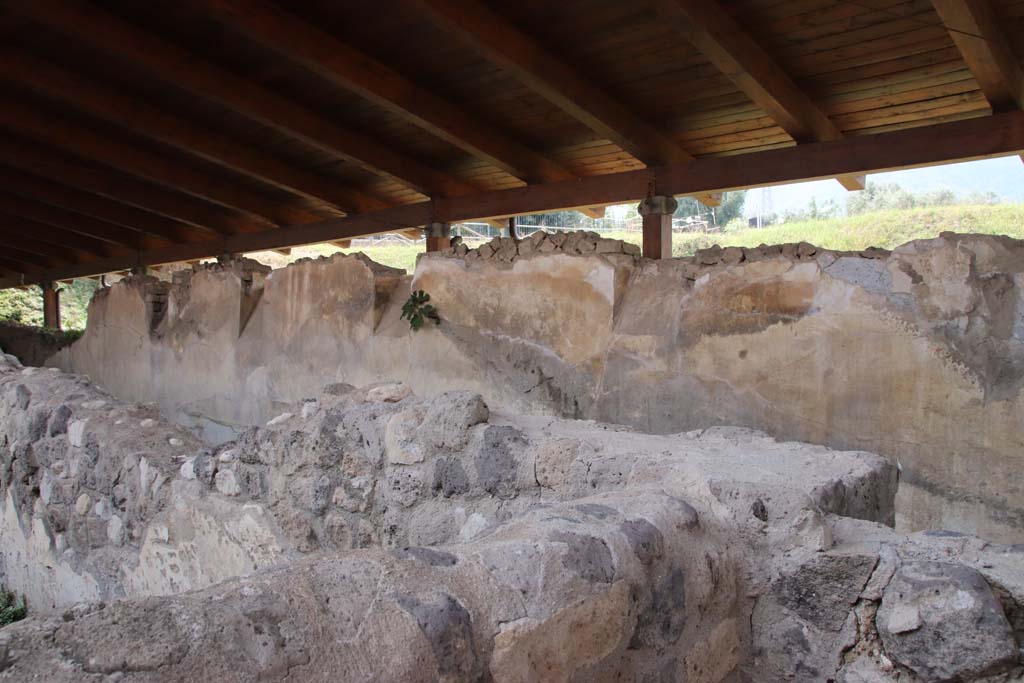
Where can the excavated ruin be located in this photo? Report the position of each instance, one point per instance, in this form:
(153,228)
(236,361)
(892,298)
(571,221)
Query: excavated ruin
(915,354)
(384,523)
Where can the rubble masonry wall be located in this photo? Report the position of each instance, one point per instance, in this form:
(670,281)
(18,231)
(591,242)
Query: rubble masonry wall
(917,354)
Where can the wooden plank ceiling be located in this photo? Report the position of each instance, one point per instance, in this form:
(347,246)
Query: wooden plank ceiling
(141,133)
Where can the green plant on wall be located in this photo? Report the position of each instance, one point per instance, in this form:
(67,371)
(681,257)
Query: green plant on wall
(417,310)
(11,609)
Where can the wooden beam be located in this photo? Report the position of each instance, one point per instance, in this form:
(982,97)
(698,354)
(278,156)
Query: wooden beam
(26,271)
(19,240)
(438,236)
(349,68)
(977,33)
(656,240)
(32,187)
(106,33)
(713,199)
(125,189)
(84,225)
(977,138)
(514,50)
(28,256)
(51,306)
(712,30)
(732,50)
(853,183)
(133,159)
(49,234)
(156,123)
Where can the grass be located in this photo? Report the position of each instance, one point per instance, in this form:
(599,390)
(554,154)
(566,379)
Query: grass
(884,229)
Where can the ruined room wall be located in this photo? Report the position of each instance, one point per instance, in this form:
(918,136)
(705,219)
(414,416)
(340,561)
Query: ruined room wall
(916,354)
(32,345)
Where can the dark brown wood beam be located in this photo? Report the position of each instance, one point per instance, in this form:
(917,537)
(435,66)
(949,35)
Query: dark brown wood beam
(32,187)
(707,26)
(131,158)
(494,37)
(213,145)
(83,225)
(975,29)
(28,256)
(125,189)
(51,305)
(106,33)
(978,138)
(343,65)
(49,234)
(19,240)
(26,272)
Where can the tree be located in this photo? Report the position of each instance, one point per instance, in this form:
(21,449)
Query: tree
(813,212)
(882,196)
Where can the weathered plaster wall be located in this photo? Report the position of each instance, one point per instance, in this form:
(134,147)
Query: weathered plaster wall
(916,354)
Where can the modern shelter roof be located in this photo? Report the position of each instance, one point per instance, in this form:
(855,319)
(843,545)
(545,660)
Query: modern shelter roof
(144,133)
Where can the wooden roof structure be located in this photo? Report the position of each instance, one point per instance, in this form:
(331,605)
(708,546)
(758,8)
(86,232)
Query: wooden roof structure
(145,133)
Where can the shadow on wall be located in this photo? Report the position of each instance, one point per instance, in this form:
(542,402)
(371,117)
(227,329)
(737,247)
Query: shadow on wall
(34,345)
(917,354)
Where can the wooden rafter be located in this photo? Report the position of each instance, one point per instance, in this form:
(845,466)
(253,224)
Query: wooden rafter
(49,234)
(26,271)
(124,189)
(154,122)
(501,42)
(136,160)
(976,138)
(732,50)
(349,68)
(975,30)
(13,238)
(85,225)
(19,252)
(32,187)
(343,65)
(109,34)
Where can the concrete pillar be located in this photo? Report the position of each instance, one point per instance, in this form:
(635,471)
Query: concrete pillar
(438,236)
(51,306)
(657,212)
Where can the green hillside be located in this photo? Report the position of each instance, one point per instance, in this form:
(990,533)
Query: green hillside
(884,229)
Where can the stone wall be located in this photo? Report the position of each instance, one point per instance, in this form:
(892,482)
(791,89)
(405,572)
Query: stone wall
(915,354)
(33,345)
(390,537)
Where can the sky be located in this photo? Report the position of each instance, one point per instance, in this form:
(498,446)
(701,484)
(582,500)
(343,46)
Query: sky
(1004,176)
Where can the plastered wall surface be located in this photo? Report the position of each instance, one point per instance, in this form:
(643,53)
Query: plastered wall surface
(914,354)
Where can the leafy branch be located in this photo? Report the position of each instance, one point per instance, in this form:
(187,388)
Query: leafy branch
(416,310)
(11,609)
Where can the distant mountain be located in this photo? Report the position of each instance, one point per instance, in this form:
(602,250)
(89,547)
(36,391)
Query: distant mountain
(1004,176)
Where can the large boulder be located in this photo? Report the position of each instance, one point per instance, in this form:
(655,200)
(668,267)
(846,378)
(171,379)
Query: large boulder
(943,621)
